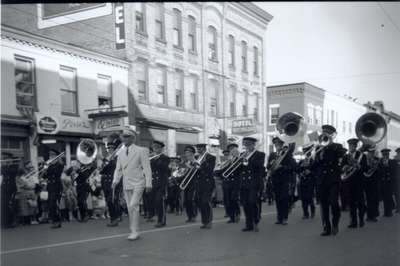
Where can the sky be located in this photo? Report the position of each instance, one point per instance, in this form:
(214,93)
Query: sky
(348,48)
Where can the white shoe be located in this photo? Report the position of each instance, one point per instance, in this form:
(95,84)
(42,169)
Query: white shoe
(133,237)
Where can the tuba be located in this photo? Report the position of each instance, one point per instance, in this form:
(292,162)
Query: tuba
(87,151)
(371,128)
(290,126)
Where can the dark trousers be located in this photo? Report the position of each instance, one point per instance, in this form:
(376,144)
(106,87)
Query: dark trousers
(189,199)
(148,204)
(112,201)
(372,195)
(159,204)
(225,198)
(344,196)
(249,200)
(231,193)
(329,199)
(397,199)
(308,204)
(53,203)
(8,210)
(357,203)
(282,201)
(387,195)
(204,194)
(82,192)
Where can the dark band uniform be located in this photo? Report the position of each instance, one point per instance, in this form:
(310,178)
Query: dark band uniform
(189,195)
(160,174)
(83,188)
(251,186)
(371,187)
(281,179)
(328,182)
(205,185)
(306,184)
(397,180)
(54,189)
(387,172)
(355,183)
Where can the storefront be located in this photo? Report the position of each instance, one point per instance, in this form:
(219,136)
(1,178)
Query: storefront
(15,138)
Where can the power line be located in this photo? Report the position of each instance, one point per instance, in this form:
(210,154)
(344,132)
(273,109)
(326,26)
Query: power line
(389,17)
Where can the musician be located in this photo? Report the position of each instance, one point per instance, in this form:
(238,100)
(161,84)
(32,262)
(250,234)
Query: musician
(281,176)
(189,195)
(231,185)
(344,189)
(397,180)
(160,173)
(174,193)
(355,161)
(306,183)
(133,166)
(205,184)
(83,189)
(251,174)
(107,172)
(371,185)
(54,187)
(224,161)
(328,180)
(9,168)
(387,170)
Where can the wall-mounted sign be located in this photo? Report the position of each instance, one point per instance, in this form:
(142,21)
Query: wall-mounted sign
(119,26)
(243,126)
(75,124)
(108,124)
(50,15)
(47,124)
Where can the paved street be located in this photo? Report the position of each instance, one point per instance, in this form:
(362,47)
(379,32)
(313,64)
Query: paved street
(298,243)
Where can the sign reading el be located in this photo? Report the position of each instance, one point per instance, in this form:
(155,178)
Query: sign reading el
(119,26)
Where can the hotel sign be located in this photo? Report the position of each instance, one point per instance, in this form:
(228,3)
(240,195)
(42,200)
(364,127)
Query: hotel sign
(119,26)
(244,126)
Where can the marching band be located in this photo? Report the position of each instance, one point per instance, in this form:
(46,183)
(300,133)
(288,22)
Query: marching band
(189,182)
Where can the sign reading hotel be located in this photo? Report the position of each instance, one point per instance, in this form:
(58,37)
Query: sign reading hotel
(50,15)
(119,26)
(243,126)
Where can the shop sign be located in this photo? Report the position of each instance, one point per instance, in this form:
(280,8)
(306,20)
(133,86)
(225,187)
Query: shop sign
(47,124)
(244,126)
(77,125)
(108,124)
(119,26)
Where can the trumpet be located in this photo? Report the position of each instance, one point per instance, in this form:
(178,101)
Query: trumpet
(191,172)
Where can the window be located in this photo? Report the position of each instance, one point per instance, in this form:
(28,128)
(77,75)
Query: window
(104,91)
(212,43)
(318,115)
(161,77)
(244,57)
(177,28)
(344,127)
(12,143)
(192,34)
(213,98)
(273,113)
(160,22)
(178,82)
(350,128)
(332,118)
(25,85)
(310,114)
(192,92)
(245,103)
(68,87)
(141,19)
(232,102)
(231,51)
(256,107)
(255,57)
(141,80)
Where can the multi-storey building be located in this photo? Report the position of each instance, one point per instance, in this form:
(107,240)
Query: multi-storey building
(317,107)
(196,67)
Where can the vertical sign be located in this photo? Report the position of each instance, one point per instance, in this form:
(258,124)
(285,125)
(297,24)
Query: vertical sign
(119,26)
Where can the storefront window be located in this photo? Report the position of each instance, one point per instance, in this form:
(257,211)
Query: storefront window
(104,91)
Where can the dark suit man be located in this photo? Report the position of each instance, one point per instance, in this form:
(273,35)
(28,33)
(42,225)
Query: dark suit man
(353,166)
(251,174)
(328,180)
(205,184)
(160,173)
(307,184)
(387,169)
(281,176)
(371,185)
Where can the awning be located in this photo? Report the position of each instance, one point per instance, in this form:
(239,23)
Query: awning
(167,125)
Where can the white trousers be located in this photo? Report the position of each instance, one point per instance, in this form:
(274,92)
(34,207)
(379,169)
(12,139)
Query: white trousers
(132,198)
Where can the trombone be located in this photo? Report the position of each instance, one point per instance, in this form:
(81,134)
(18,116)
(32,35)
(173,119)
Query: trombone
(46,166)
(191,172)
(243,159)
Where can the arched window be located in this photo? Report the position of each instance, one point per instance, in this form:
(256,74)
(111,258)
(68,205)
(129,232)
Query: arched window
(212,43)
(231,51)
(177,28)
(244,57)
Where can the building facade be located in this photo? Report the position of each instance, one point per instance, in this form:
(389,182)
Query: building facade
(197,68)
(48,90)
(317,107)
